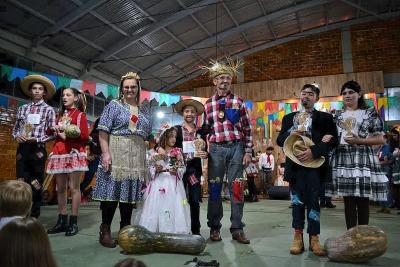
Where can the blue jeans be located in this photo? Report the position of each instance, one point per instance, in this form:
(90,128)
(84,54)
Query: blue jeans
(225,159)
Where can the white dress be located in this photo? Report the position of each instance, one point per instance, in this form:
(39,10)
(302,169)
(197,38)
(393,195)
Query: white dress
(165,207)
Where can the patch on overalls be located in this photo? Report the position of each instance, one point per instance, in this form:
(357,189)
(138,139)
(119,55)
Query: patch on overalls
(296,200)
(237,189)
(214,189)
(314,215)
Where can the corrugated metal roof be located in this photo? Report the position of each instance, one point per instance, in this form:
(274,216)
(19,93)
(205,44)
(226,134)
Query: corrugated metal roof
(123,29)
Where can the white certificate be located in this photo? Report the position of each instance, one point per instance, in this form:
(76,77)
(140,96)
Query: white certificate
(188,147)
(33,118)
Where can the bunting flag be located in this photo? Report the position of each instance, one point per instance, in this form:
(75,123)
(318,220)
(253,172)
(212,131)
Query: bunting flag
(155,96)
(173,99)
(101,88)
(18,73)
(63,82)
(294,107)
(281,106)
(3,101)
(288,108)
(249,104)
(6,71)
(260,106)
(144,95)
(77,84)
(327,105)
(318,106)
(113,91)
(89,87)
(382,102)
(12,102)
(281,114)
(163,98)
(259,122)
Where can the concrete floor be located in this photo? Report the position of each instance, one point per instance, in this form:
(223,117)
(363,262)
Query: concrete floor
(268,225)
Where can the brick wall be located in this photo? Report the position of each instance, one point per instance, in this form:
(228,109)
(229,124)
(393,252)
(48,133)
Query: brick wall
(316,55)
(376,46)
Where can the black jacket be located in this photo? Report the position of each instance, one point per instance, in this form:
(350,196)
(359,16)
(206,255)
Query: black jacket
(322,124)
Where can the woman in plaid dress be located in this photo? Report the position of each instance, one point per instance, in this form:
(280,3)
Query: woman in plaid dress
(356,173)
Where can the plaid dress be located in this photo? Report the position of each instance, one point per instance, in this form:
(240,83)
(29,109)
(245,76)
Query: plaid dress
(356,169)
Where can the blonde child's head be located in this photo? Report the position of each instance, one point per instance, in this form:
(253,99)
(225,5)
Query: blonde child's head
(15,198)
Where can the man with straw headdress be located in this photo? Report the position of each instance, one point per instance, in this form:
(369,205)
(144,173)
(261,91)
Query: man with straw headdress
(230,149)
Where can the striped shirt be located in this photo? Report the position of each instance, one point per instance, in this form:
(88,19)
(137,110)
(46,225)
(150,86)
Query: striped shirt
(234,126)
(47,120)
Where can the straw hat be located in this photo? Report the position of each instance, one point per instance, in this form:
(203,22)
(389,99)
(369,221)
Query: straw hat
(231,67)
(189,102)
(50,87)
(295,144)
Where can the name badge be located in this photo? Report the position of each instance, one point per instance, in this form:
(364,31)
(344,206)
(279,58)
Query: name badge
(188,147)
(33,118)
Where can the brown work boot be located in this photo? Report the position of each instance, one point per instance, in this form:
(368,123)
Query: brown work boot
(297,244)
(215,235)
(315,247)
(105,236)
(240,237)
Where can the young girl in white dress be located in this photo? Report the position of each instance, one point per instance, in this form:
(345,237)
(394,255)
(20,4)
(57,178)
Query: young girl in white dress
(166,208)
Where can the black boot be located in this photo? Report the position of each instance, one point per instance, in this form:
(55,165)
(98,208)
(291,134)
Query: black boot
(73,226)
(61,225)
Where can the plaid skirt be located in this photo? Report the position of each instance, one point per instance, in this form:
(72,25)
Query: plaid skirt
(75,161)
(396,171)
(356,172)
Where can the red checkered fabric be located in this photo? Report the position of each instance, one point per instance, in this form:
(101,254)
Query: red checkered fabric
(226,131)
(67,163)
(193,180)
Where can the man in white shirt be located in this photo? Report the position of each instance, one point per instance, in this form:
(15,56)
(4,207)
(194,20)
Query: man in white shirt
(266,163)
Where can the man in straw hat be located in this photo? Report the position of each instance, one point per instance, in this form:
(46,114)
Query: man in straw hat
(230,149)
(191,140)
(31,131)
(306,164)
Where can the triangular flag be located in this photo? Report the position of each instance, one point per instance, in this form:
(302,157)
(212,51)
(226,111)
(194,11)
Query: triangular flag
(77,84)
(89,86)
(18,73)
(382,102)
(63,82)
(101,88)
(6,71)
(3,101)
(112,91)
(144,95)
(249,104)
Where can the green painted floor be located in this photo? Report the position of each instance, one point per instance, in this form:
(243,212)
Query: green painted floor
(268,225)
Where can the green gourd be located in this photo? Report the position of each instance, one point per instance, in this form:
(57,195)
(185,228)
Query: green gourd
(135,239)
(72,131)
(359,244)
